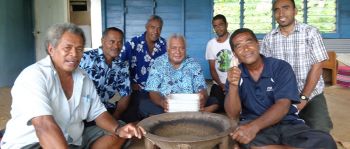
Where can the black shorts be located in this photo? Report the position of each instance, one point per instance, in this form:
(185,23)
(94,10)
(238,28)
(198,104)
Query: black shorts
(294,135)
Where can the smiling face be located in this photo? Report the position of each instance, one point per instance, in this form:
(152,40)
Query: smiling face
(153,30)
(68,52)
(284,13)
(246,48)
(176,51)
(112,43)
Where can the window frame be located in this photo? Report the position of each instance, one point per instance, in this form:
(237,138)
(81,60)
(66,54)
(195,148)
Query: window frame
(334,35)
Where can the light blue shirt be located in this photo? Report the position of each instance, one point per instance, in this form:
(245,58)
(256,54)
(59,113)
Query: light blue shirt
(164,78)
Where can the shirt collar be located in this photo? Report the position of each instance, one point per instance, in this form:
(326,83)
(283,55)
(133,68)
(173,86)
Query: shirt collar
(183,63)
(47,62)
(265,73)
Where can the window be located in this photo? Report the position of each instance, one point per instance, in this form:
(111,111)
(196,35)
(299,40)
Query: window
(257,14)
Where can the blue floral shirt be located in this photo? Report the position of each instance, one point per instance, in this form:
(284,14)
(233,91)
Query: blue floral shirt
(107,79)
(137,54)
(164,78)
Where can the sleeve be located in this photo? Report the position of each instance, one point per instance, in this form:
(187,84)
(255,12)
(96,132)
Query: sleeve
(123,85)
(154,79)
(264,48)
(198,78)
(285,82)
(209,53)
(317,48)
(30,96)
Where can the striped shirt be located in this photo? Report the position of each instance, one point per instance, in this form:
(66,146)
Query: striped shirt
(301,49)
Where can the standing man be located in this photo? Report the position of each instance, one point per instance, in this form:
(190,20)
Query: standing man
(175,73)
(302,47)
(219,56)
(261,91)
(51,98)
(109,74)
(139,52)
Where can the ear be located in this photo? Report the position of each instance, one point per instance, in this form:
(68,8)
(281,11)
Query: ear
(50,49)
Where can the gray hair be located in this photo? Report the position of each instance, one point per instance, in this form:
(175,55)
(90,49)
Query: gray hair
(175,36)
(55,32)
(155,17)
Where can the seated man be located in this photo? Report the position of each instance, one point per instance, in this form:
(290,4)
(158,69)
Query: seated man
(52,98)
(261,92)
(175,72)
(108,73)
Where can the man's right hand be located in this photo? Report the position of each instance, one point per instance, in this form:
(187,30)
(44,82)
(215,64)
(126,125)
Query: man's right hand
(130,130)
(234,75)
(165,105)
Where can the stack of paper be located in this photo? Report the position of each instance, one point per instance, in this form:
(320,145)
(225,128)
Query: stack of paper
(183,102)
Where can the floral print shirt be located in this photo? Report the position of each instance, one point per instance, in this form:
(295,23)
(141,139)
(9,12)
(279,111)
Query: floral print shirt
(137,54)
(164,78)
(107,79)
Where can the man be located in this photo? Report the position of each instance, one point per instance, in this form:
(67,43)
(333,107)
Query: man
(108,73)
(51,98)
(302,47)
(219,56)
(261,93)
(139,52)
(172,73)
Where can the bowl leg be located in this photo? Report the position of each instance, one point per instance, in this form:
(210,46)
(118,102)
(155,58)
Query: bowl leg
(224,143)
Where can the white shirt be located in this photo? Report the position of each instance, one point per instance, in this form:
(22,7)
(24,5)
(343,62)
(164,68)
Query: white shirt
(215,51)
(37,91)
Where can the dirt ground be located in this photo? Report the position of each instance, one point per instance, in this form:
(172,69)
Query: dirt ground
(338,100)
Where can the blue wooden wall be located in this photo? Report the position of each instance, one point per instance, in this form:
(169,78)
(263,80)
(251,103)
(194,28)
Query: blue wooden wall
(189,17)
(16,39)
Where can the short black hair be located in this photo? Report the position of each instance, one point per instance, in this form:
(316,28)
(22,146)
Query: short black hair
(274,2)
(104,34)
(239,31)
(219,17)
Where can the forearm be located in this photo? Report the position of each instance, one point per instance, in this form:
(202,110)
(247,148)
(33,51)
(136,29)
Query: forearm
(156,98)
(312,78)
(233,103)
(273,115)
(213,72)
(106,122)
(49,133)
(122,105)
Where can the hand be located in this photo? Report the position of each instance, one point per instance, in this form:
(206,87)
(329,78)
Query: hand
(222,86)
(130,130)
(165,104)
(301,105)
(244,134)
(234,75)
(202,102)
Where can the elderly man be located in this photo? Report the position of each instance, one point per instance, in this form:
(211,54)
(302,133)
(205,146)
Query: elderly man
(302,47)
(51,98)
(261,92)
(109,74)
(172,73)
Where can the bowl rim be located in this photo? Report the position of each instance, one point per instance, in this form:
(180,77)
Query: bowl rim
(153,137)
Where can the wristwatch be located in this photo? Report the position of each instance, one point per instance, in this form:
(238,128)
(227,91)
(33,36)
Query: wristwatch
(303,97)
